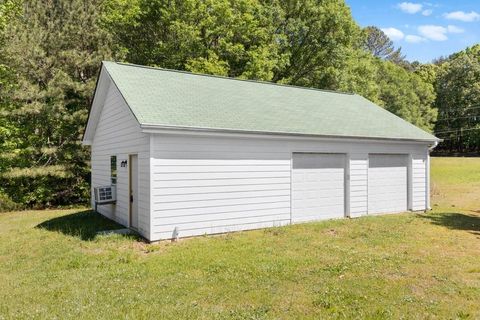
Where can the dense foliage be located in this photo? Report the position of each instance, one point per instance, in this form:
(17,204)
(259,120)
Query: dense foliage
(458,101)
(52,50)
(50,54)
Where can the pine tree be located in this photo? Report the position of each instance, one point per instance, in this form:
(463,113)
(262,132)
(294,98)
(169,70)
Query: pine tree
(55,48)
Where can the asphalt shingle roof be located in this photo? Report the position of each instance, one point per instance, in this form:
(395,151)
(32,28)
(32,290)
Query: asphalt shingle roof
(180,99)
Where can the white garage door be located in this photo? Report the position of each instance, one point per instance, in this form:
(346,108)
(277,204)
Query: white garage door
(387,183)
(317,186)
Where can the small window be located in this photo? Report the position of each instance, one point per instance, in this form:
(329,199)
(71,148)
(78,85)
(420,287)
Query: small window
(113,169)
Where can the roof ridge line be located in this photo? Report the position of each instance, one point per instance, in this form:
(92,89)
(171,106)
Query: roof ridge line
(230,78)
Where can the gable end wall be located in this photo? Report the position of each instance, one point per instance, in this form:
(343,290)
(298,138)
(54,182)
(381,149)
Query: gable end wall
(118,133)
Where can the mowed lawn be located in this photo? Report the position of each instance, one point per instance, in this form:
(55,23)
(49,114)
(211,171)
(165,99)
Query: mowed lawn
(409,266)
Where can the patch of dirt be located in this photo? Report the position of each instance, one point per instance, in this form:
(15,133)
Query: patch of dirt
(332,232)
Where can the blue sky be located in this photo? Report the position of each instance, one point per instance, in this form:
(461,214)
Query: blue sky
(424,30)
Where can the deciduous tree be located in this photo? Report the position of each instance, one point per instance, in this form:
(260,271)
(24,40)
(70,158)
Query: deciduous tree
(458,101)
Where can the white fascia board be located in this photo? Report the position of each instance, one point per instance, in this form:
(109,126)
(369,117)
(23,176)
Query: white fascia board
(174,130)
(99,96)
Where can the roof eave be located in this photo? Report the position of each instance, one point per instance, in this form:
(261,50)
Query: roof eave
(96,102)
(155,128)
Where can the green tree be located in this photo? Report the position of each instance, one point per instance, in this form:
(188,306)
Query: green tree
(9,9)
(316,36)
(231,38)
(458,101)
(55,49)
(427,72)
(379,45)
(377,42)
(361,75)
(405,94)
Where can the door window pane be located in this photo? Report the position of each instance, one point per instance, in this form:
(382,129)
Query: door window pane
(113,169)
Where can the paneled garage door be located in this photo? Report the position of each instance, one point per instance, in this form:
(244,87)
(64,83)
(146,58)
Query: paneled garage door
(318,186)
(387,183)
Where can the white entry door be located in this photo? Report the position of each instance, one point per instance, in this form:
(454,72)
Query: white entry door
(134,191)
(318,186)
(387,183)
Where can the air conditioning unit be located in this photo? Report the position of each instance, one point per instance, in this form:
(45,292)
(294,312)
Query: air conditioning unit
(105,194)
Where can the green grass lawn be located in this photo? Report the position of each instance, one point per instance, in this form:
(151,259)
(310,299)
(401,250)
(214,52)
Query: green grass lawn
(410,266)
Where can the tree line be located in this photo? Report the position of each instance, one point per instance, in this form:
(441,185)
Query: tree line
(51,51)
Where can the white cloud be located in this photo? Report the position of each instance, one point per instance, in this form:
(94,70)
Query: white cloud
(435,33)
(454,29)
(427,12)
(462,16)
(414,39)
(393,34)
(432,32)
(410,7)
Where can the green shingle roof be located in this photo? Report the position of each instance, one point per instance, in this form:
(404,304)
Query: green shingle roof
(180,99)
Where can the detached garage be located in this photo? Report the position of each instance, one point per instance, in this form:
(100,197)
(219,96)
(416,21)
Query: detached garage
(176,154)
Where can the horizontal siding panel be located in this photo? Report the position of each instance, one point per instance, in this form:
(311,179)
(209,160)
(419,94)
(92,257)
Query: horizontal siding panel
(222,182)
(232,217)
(359,206)
(191,147)
(419,198)
(220,196)
(221,223)
(358,187)
(220,168)
(218,162)
(214,203)
(358,177)
(231,155)
(358,194)
(184,143)
(107,137)
(419,186)
(219,229)
(308,215)
(357,183)
(220,189)
(314,204)
(319,189)
(222,175)
(389,195)
(116,148)
(419,175)
(198,216)
(358,167)
(419,205)
(220,209)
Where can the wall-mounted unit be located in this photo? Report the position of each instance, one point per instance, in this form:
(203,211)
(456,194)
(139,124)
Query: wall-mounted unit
(105,194)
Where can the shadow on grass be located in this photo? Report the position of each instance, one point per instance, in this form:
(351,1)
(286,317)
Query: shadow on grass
(82,224)
(455,220)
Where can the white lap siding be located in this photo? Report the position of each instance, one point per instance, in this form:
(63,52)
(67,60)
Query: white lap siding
(358,184)
(419,182)
(209,186)
(205,185)
(119,134)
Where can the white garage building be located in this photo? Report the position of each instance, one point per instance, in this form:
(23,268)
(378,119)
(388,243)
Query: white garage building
(195,154)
